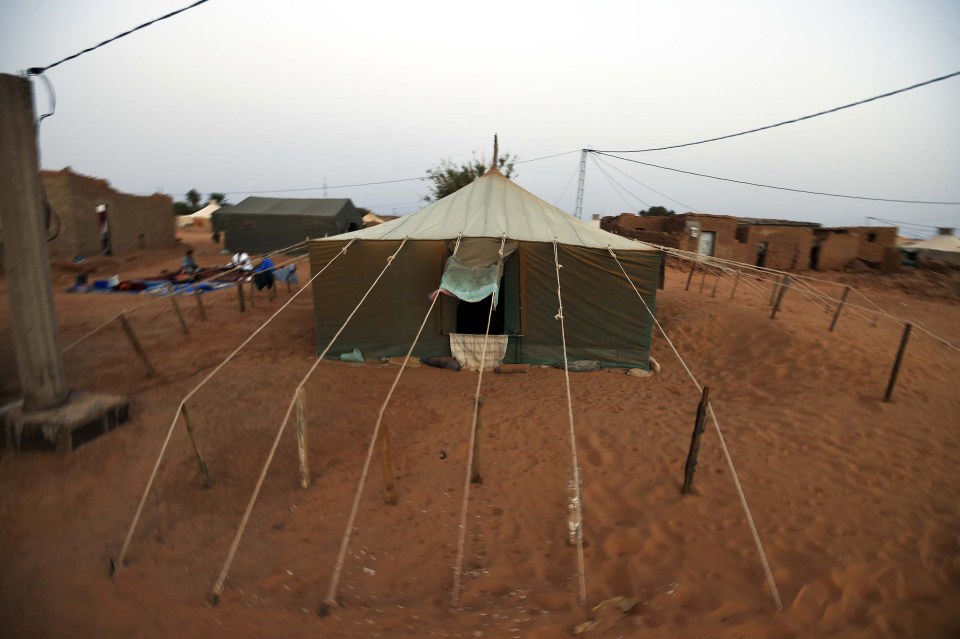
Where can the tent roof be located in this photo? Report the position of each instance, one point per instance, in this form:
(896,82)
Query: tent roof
(205,212)
(318,207)
(492,206)
(937,243)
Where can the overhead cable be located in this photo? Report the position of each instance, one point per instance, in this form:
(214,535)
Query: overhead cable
(785,122)
(778,188)
(39,70)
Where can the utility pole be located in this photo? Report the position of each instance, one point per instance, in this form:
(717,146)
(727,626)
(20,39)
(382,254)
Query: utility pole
(27,260)
(578,211)
(49,416)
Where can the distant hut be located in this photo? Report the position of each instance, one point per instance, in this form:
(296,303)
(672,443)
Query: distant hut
(264,224)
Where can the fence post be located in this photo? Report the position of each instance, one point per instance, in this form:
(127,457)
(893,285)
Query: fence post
(784,286)
(690,468)
(843,300)
(240,295)
(735,282)
(138,349)
(196,445)
(896,364)
(183,320)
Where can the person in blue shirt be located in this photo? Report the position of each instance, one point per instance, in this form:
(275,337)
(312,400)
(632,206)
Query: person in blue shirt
(263,276)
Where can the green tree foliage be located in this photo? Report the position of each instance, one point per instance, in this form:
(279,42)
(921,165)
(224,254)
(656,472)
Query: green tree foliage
(449,177)
(193,197)
(183,208)
(656,211)
(219,198)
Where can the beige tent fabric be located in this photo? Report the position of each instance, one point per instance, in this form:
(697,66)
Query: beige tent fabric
(468,350)
(200,219)
(492,206)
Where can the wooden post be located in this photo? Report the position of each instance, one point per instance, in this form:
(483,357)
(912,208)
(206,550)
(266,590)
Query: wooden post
(693,269)
(253,292)
(735,282)
(703,278)
(663,270)
(716,283)
(200,307)
(896,364)
(475,475)
(784,287)
(690,468)
(843,300)
(288,287)
(773,291)
(302,438)
(240,295)
(196,446)
(389,486)
(183,320)
(138,349)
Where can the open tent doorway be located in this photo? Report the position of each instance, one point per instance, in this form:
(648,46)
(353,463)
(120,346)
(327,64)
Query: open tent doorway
(472,316)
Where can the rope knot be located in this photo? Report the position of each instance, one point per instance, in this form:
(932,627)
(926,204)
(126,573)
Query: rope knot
(559,315)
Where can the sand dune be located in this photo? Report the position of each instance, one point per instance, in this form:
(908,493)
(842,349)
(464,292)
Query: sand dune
(856,500)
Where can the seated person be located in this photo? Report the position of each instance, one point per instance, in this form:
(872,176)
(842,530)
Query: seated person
(189,265)
(241,260)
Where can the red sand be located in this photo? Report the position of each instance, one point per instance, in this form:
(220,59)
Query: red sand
(856,501)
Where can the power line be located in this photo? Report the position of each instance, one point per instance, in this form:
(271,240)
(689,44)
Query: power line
(348,186)
(647,186)
(39,70)
(547,157)
(896,223)
(793,121)
(619,187)
(320,188)
(778,188)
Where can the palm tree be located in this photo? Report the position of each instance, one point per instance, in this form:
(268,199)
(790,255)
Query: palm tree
(193,197)
(219,198)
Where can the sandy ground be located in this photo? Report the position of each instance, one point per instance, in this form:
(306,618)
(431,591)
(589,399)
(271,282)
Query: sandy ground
(856,500)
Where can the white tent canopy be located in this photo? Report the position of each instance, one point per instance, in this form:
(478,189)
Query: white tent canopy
(200,218)
(492,206)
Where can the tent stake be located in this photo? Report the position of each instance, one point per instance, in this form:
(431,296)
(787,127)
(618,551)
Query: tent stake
(200,307)
(196,446)
(735,282)
(389,487)
(784,287)
(690,468)
(240,295)
(843,300)
(896,364)
(475,475)
(138,349)
(183,320)
(693,269)
(302,438)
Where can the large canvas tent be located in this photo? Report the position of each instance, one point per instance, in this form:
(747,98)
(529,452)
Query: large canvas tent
(604,320)
(200,219)
(264,224)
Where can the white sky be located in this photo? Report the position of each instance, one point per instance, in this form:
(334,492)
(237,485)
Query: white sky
(238,95)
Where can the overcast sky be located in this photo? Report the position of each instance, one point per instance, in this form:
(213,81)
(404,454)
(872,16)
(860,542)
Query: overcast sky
(239,95)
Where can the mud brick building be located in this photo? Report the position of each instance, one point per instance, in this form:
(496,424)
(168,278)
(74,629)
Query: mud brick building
(94,218)
(777,244)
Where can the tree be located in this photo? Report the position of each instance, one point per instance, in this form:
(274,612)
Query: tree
(449,178)
(219,198)
(193,197)
(656,211)
(183,208)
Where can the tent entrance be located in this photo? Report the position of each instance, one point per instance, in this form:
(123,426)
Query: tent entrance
(472,316)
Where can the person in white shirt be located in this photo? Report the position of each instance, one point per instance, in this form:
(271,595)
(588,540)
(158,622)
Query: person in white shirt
(241,259)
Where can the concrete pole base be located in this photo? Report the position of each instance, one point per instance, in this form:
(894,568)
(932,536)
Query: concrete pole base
(83,418)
